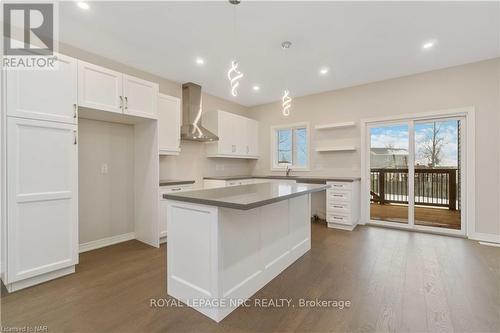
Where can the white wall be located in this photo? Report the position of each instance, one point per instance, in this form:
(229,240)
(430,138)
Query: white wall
(474,84)
(106,201)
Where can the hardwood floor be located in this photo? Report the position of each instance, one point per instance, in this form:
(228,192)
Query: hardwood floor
(397,281)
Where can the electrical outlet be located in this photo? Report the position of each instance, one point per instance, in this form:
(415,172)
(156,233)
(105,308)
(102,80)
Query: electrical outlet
(104,168)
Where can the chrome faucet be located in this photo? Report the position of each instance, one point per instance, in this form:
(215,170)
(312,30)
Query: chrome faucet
(288,170)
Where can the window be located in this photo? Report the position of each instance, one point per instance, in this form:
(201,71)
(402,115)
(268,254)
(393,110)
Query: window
(290,146)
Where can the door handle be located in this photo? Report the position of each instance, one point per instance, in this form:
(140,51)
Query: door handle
(76,141)
(121,102)
(126,103)
(75,109)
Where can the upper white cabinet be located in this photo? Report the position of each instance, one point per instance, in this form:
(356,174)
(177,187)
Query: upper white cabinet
(140,97)
(99,88)
(252,133)
(238,135)
(169,125)
(42,200)
(45,94)
(104,89)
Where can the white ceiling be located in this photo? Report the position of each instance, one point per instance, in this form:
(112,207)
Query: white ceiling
(360,42)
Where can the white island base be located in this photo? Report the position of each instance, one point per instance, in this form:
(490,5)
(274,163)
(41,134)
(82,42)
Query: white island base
(217,257)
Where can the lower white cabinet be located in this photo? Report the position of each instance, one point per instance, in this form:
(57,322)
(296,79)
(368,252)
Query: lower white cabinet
(163,206)
(342,204)
(214,183)
(42,202)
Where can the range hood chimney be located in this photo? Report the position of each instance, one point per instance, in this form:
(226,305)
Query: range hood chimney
(191,128)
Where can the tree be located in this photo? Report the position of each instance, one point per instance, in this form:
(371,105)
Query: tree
(432,147)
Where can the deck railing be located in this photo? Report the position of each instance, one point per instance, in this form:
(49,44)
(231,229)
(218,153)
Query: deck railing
(433,187)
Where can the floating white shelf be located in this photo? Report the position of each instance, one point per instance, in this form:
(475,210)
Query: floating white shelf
(335,125)
(339,148)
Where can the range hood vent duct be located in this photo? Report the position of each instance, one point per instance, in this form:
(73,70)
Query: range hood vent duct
(191,128)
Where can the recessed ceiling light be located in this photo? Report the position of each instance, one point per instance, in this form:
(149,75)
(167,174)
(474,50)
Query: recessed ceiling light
(323,71)
(83,5)
(256,88)
(200,61)
(429,45)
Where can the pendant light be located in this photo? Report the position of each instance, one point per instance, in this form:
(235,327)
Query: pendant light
(233,74)
(286,99)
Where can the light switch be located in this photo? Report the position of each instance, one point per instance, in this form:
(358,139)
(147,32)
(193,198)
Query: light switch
(104,168)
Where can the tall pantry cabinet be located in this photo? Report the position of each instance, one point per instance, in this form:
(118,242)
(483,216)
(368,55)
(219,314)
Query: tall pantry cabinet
(39,174)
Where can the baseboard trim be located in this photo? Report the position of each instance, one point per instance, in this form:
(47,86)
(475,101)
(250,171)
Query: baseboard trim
(483,237)
(18,285)
(490,244)
(103,242)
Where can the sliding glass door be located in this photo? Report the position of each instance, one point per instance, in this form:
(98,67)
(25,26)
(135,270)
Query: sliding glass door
(416,174)
(438,173)
(389,173)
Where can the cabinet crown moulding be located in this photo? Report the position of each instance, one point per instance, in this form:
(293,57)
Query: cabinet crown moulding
(335,125)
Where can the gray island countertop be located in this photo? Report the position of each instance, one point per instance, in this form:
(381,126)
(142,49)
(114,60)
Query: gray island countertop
(246,196)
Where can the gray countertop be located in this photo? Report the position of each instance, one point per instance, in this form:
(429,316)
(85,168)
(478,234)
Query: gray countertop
(171,182)
(246,196)
(302,179)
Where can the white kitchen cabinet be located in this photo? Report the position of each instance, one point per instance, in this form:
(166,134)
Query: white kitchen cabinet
(99,88)
(215,183)
(44,94)
(238,135)
(163,205)
(42,201)
(169,125)
(104,89)
(252,133)
(140,97)
(342,204)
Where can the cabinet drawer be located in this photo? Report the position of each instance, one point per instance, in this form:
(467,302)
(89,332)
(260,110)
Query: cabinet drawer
(339,207)
(340,186)
(173,189)
(340,219)
(337,196)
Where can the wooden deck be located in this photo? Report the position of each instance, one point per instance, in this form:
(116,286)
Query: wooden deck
(427,216)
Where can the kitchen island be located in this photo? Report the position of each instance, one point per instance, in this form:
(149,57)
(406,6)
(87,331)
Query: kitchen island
(224,244)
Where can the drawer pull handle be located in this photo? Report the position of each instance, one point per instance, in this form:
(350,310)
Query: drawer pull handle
(338,206)
(176,189)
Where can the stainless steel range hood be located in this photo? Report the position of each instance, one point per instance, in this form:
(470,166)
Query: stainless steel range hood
(191,128)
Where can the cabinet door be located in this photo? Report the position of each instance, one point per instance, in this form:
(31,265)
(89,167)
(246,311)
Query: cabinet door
(227,145)
(42,202)
(253,137)
(99,88)
(141,97)
(44,94)
(240,135)
(169,124)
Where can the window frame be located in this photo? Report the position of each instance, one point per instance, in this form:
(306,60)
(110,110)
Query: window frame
(274,147)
